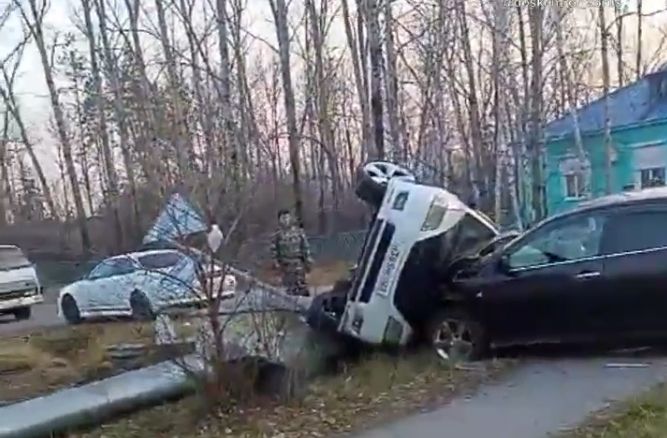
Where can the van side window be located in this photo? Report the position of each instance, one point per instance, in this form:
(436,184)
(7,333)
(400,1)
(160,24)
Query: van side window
(635,231)
(566,240)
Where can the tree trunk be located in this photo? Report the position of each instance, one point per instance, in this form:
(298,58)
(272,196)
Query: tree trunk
(391,83)
(103,132)
(604,53)
(571,103)
(5,188)
(229,130)
(638,60)
(178,127)
(111,69)
(34,23)
(536,16)
(9,100)
(476,140)
(359,74)
(279,9)
(619,43)
(376,64)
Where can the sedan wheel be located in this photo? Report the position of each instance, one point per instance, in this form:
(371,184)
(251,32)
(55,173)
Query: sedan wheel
(70,310)
(142,310)
(457,338)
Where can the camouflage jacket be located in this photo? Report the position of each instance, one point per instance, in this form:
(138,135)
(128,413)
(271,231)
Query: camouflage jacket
(290,245)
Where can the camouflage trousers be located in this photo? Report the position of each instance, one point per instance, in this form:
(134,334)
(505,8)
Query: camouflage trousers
(294,278)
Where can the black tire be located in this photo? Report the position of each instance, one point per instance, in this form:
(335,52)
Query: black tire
(70,310)
(322,315)
(372,191)
(142,310)
(22,313)
(455,336)
(368,190)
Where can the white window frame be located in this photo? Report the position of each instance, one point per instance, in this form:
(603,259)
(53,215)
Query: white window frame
(579,185)
(651,170)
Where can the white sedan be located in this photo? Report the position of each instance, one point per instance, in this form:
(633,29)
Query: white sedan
(141,284)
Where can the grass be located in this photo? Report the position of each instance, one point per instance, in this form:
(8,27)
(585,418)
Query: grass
(642,417)
(373,391)
(42,361)
(322,274)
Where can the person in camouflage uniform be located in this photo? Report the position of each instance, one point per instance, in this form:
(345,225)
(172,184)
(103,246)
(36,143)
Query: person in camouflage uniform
(291,254)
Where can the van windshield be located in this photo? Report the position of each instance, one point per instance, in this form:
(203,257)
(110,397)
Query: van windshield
(12,258)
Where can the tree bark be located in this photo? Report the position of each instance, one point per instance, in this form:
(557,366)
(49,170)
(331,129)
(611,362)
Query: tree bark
(604,53)
(536,16)
(638,59)
(376,65)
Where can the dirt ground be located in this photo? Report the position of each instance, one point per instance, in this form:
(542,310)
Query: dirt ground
(376,389)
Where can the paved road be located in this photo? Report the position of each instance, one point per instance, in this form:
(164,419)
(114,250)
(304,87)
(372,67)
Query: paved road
(43,315)
(541,397)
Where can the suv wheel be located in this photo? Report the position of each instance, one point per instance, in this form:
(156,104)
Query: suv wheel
(22,313)
(373,177)
(456,337)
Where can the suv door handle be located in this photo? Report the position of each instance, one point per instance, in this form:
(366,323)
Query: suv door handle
(587,274)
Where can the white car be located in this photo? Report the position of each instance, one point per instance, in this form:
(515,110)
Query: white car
(19,285)
(140,285)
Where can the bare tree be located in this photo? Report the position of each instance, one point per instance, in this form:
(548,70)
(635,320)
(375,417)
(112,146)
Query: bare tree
(604,54)
(103,130)
(638,59)
(13,114)
(280,16)
(33,19)
(372,17)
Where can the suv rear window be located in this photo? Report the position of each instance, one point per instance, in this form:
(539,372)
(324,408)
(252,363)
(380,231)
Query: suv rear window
(12,258)
(160,261)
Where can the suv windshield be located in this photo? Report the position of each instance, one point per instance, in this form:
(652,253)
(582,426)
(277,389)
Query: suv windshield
(12,258)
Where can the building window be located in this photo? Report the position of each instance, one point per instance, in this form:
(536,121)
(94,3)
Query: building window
(653,177)
(574,185)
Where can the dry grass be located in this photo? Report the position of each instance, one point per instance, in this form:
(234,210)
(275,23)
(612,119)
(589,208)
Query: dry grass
(42,361)
(322,274)
(641,417)
(376,390)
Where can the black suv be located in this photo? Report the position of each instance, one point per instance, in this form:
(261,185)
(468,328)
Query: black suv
(598,272)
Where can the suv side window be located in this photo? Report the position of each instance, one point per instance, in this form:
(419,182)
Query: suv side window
(635,231)
(565,240)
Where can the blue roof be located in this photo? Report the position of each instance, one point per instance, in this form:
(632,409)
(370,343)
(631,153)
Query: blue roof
(629,105)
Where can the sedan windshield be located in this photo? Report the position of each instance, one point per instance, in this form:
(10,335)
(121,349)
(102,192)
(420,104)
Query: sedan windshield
(12,258)
(160,260)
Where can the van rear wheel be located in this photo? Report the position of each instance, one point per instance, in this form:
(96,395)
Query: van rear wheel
(456,337)
(22,313)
